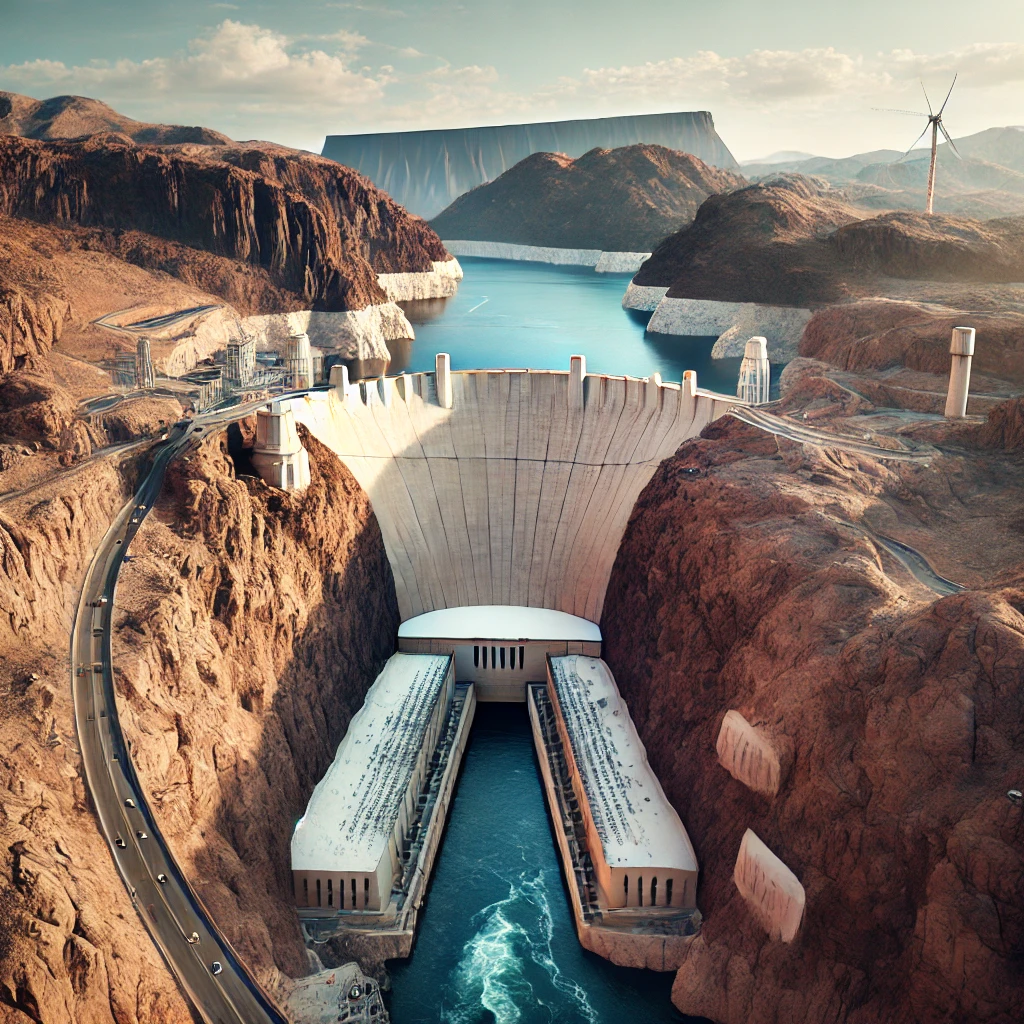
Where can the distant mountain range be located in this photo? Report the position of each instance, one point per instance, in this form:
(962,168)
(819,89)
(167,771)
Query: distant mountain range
(74,117)
(987,182)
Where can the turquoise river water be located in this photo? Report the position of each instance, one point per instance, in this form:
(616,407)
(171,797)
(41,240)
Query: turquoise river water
(496,941)
(532,314)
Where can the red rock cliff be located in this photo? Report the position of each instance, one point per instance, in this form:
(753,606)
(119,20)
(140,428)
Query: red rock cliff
(745,581)
(319,231)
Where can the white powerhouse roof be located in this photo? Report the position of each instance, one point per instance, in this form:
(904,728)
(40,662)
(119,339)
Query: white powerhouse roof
(353,809)
(500,622)
(638,827)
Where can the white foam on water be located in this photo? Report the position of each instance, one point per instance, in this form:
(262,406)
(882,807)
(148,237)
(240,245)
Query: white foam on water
(514,934)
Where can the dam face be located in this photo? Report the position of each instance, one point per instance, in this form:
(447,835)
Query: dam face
(515,488)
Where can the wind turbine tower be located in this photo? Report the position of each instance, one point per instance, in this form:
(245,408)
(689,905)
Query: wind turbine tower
(936,126)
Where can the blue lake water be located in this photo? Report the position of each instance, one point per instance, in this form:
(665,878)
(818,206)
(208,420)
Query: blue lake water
(512,314)
(496,940)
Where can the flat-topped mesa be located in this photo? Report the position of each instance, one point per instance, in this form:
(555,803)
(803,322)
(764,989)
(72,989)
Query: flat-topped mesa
(641,853)
(347,847)
(508,487)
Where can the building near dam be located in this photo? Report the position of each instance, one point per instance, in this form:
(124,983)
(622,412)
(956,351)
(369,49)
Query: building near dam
(426,171)
(347,848)
(641,853)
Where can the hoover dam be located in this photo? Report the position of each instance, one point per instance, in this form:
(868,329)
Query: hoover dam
(502,497)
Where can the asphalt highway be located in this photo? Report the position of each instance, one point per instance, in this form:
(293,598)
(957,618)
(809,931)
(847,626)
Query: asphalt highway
(175,917)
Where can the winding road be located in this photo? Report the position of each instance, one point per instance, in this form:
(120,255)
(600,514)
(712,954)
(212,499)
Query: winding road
(824,439)
(209,972)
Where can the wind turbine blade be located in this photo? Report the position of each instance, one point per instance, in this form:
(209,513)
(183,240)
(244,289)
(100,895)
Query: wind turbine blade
(916,141)
(892,110)
(928,101)
(942,128)
(948,94)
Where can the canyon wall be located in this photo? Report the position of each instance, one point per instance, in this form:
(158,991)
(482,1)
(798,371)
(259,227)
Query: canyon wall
(746,582)
(426,170)
(248,626)
(320,233)
(71,945)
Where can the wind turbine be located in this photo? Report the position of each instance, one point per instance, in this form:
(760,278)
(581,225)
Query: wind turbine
(936,126)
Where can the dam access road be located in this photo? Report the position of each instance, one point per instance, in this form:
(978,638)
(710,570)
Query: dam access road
(209,972)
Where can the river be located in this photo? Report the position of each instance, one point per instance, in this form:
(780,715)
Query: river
(496,941)
(512,314)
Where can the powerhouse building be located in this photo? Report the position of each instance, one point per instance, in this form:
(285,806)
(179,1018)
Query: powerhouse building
(641,853)
(347,847)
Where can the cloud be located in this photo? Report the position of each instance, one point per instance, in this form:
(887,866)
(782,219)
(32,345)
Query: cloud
(251,81)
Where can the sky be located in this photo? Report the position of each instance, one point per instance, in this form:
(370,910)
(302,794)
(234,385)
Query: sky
(803,75)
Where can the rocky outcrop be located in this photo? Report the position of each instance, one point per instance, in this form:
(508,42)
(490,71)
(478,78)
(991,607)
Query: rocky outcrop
(250,623)
(882,333)
(744,581)
(318,232)
(426,170)
(733,323)
(765,243)
(72,117)
(935,248)
(29,326)
(72,947)
(616,200)
(440,282)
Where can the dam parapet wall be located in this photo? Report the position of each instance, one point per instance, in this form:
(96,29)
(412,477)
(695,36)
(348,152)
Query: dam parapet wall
(518,494)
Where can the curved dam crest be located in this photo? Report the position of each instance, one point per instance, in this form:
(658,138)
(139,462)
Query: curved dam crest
(513,489)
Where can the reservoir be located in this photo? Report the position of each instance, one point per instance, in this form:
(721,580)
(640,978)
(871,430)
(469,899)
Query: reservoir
(516,314)
(496,941)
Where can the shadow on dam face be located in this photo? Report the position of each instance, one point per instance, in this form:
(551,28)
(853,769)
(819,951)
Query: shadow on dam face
(518,493)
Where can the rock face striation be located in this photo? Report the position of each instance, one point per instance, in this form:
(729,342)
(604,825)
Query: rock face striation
(746,581)
(617,200)
(250,624)
(426,170)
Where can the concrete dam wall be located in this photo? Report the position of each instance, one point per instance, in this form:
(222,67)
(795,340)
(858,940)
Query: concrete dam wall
(515,487)
(427,170)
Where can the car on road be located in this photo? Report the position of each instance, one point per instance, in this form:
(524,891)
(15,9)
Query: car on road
(216,967)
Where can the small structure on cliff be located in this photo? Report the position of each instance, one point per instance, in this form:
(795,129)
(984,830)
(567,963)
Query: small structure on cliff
(755,373)
(961,347)
(278,455)
(299,360)
(347,848)
(240,371)
(145,376)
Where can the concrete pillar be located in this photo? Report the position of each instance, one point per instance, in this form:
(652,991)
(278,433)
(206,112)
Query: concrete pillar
(278,455)
(962,348)
(688,397)
(339,380)
(577,371)
(443,379)
(755,373)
